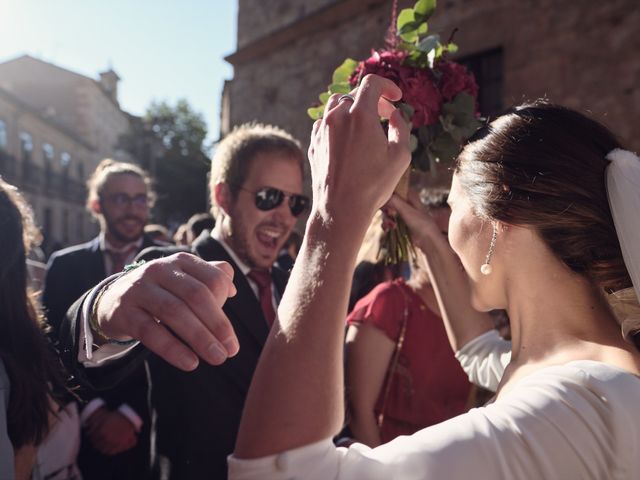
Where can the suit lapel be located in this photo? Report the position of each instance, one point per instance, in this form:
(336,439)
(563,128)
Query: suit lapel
(244,308)
(95,268)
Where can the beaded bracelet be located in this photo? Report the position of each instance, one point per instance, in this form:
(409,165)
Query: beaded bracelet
(93,317)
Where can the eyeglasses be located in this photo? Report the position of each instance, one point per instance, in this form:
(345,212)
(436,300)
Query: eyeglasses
(268,198)
(121,200)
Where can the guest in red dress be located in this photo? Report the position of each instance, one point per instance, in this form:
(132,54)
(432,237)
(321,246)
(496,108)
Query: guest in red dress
(391,395)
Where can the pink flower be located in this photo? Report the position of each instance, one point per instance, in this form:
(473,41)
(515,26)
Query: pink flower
(455,79)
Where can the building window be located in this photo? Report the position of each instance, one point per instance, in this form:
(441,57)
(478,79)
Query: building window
(48,154)
(65,159)
(3,135)
(26,146)
(488,68)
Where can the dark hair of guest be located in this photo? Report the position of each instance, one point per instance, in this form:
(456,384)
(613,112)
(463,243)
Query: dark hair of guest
(28,360)
(543,166)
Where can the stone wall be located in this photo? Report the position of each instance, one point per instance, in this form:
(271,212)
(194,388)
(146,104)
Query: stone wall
(580,53)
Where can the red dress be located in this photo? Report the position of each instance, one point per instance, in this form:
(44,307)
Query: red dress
(428,385)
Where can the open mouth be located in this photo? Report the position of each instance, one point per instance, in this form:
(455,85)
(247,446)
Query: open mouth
(269,237)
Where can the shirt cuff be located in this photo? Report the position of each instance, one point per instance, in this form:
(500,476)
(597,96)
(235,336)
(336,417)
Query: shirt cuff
(90,409)
(318,460)
(132,416)
(87,356)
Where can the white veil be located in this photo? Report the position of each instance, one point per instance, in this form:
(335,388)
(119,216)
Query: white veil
(623,190)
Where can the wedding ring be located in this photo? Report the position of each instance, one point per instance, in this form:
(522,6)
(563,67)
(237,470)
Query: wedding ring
(346,96)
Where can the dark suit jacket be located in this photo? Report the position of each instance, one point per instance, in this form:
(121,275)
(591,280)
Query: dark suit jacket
(198,413)
(70,273)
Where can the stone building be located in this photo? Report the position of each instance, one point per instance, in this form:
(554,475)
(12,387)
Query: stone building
(579,53)
(55,127)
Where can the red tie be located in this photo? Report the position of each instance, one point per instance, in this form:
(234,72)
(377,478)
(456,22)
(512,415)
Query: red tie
(262,278)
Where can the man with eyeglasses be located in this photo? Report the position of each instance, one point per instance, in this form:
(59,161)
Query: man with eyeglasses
(256,185)
(116,422)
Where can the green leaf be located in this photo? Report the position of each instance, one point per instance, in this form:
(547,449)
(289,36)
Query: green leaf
(420,159)
(429,43)
(413,142)
(405,17)
(452,47)
(324,97)
(315,113)
(407,111)
(344,71)
(425,8)
(340,87)
(444,148)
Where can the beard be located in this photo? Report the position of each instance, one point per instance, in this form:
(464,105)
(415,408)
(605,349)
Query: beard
(113,226)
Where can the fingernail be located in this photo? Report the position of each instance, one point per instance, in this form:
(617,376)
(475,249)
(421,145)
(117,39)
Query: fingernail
(187,363)
(216,353)
(231,344)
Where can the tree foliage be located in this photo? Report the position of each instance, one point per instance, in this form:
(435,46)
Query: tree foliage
(181,172)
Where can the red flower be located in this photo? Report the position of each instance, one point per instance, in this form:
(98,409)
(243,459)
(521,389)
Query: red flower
(455,79)
(419,91)
(385,64)
(417,85)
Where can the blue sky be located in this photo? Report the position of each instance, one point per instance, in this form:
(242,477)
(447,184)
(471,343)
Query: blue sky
(161,49)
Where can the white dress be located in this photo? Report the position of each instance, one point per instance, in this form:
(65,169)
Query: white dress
(580,420)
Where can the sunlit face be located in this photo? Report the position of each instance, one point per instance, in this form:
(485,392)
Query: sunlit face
(257,236)
(470,238)
(124,207)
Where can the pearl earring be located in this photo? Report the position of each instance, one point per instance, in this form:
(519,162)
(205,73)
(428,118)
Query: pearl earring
(486,268)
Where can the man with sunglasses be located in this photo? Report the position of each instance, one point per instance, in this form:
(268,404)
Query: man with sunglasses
(256,185)
(116,435)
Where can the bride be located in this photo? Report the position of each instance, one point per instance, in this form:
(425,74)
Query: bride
(534,198)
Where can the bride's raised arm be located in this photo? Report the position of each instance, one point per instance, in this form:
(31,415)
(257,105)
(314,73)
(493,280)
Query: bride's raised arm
(296,397)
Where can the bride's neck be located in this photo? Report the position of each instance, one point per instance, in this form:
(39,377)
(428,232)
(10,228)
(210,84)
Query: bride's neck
(554,309)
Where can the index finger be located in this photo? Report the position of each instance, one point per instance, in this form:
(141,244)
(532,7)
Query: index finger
(371,89)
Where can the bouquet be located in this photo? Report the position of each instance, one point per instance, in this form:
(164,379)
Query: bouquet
(439,99)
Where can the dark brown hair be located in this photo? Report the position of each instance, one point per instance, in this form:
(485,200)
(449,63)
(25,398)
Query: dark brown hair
(31,366)
(543,166)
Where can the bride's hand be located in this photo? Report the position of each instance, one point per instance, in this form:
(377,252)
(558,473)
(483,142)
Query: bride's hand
(422,226)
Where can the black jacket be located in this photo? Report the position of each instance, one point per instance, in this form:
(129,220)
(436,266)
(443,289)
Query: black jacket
(70,273)
(198,413)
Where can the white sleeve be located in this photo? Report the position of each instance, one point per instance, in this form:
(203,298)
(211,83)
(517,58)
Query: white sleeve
(548,427)
(484,359)
(89,357)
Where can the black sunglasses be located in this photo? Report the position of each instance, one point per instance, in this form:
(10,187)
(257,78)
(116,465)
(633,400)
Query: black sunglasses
(268,198)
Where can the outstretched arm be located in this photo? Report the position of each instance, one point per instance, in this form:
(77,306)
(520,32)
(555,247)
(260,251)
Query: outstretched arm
(296,396)
(450,282)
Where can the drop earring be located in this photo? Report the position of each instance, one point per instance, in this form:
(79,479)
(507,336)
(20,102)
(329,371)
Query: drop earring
(486,268)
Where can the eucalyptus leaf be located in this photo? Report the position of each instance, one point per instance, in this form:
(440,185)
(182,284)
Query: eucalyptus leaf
(340,88)
(413,142)
(315,113)
(344,71)
(407,111)
(429,43)
(444,148)
(425,8)
(405,16)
